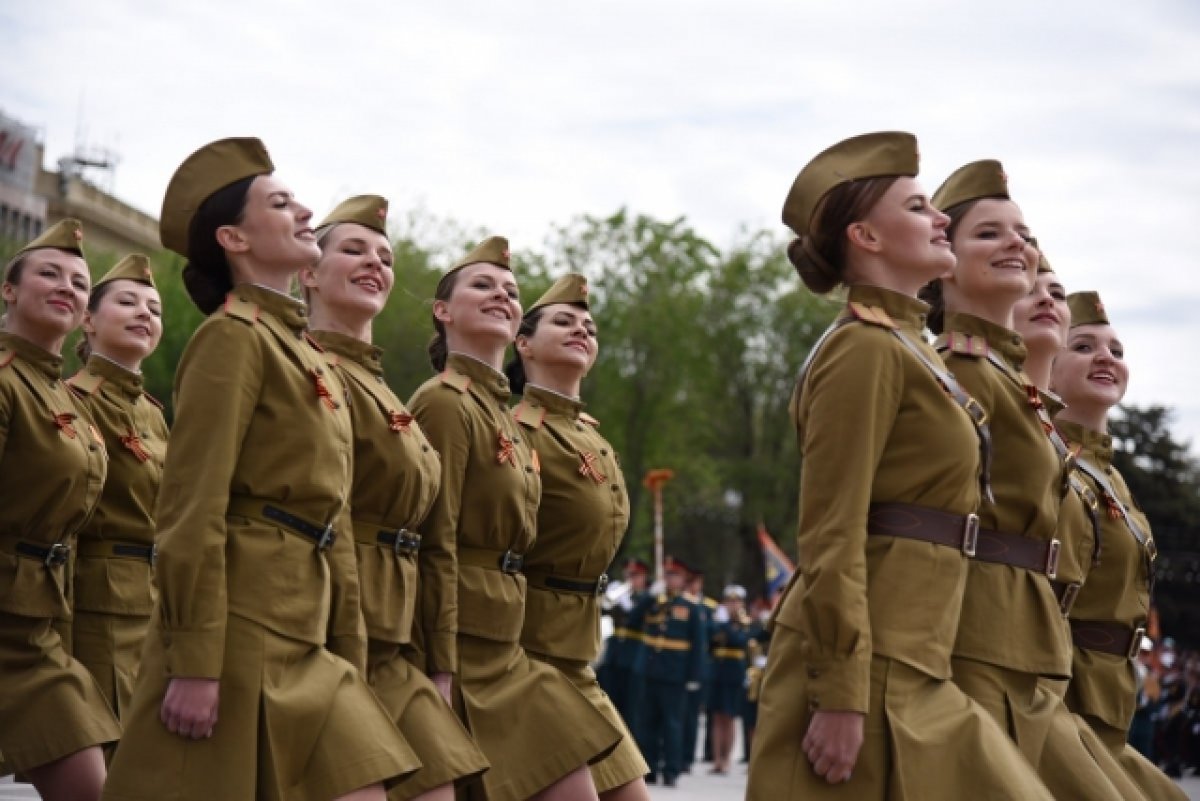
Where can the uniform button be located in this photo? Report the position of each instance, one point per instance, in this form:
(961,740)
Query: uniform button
(319,371)
(516,440)
(616,487)
(424,448)
(813,673)
(91,447)
(603,452)
(579,426)
(528,468)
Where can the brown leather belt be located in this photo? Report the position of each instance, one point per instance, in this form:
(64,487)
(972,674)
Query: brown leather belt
(1107,637)
(107,549)
(924,524)
(508,561)
(1004,548)
(579,586)
(1066,592)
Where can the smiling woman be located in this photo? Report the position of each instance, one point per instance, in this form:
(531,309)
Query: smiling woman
(53,717)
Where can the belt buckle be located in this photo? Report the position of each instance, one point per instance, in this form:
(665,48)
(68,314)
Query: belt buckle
(1070,593)
(602,584)
(325,541)
(970,534)
(57,555)
(1135,643)
(511,562)
(399,543)
(976,411)
(1052,557)
(153,554)
(1151,549)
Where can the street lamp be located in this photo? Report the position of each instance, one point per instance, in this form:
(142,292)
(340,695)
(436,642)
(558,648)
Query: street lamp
(654,481)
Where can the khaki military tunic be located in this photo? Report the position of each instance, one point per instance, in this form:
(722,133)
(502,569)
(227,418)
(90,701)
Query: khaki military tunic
(868,622)
(1103,686)
(114,594)
(1012,630)
(53,464)
(396,477)
(261,419)
(582,518)
(529,720)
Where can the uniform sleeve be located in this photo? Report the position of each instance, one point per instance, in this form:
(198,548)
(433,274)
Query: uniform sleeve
(217,389)
(446,425)
(347,627)
(851,398)
(698,654)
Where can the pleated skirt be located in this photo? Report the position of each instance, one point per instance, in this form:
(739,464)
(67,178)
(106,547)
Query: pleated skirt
(110,647)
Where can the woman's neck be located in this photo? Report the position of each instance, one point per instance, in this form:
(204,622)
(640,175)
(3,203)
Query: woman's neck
(1038,363)
(51,342)
(323,319)
(564,381)
(271,277)
(996,310)
(132,364)
(1093,418)
(486,350)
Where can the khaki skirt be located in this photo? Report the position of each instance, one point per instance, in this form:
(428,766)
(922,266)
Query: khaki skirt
(531,723)
(626,762)
(923,739)
(1075,763)
(446,750)
(294,723)
(1153,784)
(50,706)
(110,647)
(1019,702)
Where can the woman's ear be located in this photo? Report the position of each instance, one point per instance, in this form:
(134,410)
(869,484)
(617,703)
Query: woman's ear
(230,238)
(89,327)
(863,236)
(441,311)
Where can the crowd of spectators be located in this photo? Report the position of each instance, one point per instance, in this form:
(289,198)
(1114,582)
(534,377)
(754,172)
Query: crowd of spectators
(1166,725)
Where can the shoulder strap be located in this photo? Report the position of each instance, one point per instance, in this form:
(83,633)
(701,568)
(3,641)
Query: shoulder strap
(153,400)
(974,411)
(455,380)
(528,416)
(243,310)
(1114,504)
(962,344)
(85,383)
(871,314)
(812,355)
(591,421)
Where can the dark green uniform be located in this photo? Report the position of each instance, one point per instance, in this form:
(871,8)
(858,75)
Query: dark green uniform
(114,595)
(674,635)
(53,462)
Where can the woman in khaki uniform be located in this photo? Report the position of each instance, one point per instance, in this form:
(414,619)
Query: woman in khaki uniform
(535,728)
(1074,764)
(583,514)
(396,477)
(238,695)
(113,569)
(53,717)
(856,701)
(1108,620)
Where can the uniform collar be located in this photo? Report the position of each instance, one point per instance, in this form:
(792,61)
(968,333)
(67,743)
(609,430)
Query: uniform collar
(1005,341)
(123,378)
(1096,444)
(480,373)
(904,309)
(289,310)
(555,402)
(352,348)
(42,360)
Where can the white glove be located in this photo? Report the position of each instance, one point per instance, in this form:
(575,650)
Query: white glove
(760,661)
(658,587)
(721,615)
(625,603)
(692,686)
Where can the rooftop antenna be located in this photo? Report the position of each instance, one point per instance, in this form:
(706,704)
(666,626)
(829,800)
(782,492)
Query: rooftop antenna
(95,164)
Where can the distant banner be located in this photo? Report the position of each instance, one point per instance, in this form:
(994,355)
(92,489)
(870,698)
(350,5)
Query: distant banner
(779,567)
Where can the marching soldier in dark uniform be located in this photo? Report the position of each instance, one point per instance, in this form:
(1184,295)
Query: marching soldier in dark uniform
(1108,620)
(673,636)
(698,699)
(621,649)
(251,682)
(728,651)
(53,717)
(396,477)
(113,571)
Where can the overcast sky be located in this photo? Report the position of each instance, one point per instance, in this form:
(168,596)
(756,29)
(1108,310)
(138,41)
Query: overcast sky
(514,115)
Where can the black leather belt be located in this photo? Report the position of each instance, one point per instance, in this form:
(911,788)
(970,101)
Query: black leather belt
(322,536)
(53,555)
(124,550)
(578,586)
(399,540)
(1066,592)
(505,561)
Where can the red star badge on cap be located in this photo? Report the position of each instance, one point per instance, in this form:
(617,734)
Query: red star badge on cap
(505,254)
(583,290)
(381,213)
(78,233)
(1099,307)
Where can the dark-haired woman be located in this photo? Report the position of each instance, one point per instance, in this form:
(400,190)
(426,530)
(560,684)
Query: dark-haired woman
(53,717)
(113,570)
(583,513)
(1109,618)
(396,477)
(856,701)
(238,695)
(531,723)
